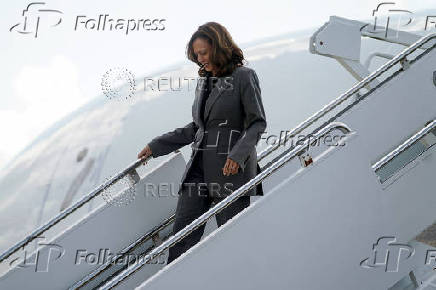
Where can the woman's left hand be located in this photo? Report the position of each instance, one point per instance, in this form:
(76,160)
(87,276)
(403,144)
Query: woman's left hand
(231,167)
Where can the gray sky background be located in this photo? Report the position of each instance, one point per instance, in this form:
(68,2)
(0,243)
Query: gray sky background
(45,78)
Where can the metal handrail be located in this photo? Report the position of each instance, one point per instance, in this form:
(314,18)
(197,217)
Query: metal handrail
(223,204)
(302,126)
(329,107)
(63,214)
(143,239)
(406,144)
(345,96)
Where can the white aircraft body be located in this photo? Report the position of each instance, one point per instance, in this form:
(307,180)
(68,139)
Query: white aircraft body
(355,215)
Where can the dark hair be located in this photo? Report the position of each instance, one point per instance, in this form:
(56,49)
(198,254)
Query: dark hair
(225,54)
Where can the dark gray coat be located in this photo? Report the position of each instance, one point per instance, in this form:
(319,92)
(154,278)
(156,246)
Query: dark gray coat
(234,121)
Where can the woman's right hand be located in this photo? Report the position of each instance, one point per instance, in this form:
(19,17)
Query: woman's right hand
(145,153)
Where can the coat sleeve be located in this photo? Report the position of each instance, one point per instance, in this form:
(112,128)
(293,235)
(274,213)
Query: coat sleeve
(171,141)
(254,118)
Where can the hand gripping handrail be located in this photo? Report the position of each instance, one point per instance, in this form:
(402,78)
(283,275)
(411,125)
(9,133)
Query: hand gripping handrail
(271,148)
(329,107)
(63,214)
(222,204)
(345,96)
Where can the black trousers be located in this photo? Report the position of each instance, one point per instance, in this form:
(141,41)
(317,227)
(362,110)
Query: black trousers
(194,200)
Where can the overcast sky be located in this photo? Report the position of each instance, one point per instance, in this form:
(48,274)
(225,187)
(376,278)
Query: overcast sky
(45,78)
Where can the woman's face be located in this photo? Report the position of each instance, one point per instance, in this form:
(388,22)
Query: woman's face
(202,49)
